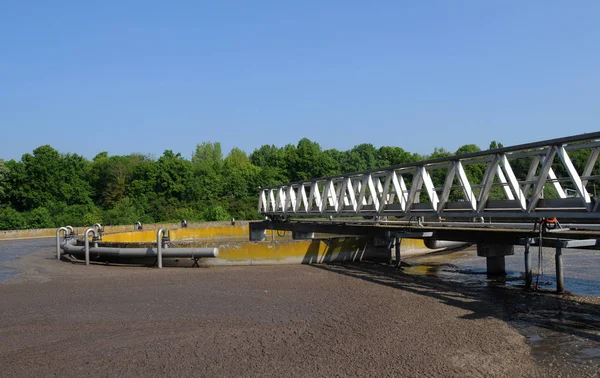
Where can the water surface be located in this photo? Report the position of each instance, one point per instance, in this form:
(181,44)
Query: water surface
(11,250)
(580,267)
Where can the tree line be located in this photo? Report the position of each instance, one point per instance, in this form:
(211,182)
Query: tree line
(49,189)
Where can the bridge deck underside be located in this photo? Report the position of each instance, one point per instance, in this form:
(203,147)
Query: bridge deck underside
(505,236)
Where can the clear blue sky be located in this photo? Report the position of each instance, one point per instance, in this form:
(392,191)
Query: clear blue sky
(145,76)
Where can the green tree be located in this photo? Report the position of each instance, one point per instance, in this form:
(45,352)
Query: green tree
(173,176)
(39,218)
(216,213)
(494,145)
(11,219)
(306,160)
(360,158)
(388,156)
(207,167)
(3,177)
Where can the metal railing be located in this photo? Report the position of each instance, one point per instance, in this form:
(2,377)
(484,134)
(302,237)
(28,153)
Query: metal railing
(410,189)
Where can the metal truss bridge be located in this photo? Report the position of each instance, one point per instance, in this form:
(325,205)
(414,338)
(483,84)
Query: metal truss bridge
(442,188)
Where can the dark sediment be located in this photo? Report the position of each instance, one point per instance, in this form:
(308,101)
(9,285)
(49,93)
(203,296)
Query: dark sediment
(66,319)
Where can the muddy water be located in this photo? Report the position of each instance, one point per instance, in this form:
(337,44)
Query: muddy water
(580,269)
(558,333)
(11,250)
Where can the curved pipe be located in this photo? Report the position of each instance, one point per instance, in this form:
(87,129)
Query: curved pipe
(71,230)
(78,251)
(137,226)
(86,238)
(98,227)
(438,244)
(66,233)
(159,235)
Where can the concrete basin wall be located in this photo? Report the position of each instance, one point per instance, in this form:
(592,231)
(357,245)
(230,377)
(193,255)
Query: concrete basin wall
(235,248)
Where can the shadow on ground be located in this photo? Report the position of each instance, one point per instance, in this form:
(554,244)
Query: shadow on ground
(560,313)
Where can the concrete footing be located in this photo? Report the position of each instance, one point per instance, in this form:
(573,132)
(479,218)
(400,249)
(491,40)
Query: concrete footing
(494,254)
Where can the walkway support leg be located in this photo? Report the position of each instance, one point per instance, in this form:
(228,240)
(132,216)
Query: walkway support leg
(398,261)
(495,253)
(560,282)
(389,244)
(528,271)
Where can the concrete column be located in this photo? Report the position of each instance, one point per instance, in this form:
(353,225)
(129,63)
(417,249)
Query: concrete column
(258,235)
(494,253)
(560,281)
(496,266)
(297,235)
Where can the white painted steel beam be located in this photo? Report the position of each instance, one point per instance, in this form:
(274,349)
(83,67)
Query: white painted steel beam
(387,191)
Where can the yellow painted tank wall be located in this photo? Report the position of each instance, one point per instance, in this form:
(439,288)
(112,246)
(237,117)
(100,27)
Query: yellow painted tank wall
(229,232)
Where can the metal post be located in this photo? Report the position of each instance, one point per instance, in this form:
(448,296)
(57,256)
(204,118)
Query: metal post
(86,242)
(560,282)
(528,271)
(398,261)
(58,230)
(389,243)
(159,235)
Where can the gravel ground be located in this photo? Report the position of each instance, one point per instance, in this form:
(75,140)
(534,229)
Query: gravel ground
(66,319)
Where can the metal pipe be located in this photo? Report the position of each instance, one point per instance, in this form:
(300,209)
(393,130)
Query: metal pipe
(528,269)
(433,243)
(71,230)
(79,251)
(560,281)
(389,242)
(98,227)
(137,226)
(86,237)
(159,235)
(398,261)
(58,230)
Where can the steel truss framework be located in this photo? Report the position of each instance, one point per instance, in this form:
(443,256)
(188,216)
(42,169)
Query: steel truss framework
(409,189)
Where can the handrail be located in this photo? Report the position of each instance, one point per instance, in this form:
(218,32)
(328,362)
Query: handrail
(397,190)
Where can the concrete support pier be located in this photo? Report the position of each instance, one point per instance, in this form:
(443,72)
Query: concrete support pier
(495,253)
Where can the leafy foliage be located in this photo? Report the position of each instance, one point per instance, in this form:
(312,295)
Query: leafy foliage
(47,189)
